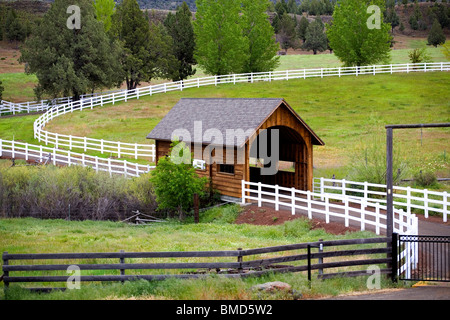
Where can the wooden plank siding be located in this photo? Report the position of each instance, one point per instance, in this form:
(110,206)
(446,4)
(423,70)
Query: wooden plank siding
(296,145)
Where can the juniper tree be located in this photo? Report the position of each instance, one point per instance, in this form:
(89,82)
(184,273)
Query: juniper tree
(316,39)
(179,27)
(71,61)
(147,51)
(436,36)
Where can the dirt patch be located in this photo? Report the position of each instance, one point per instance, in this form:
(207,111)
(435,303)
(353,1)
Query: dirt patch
(270,217)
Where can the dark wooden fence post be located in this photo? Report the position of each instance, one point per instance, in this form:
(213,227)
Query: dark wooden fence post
(320,258)
(196,215)
(122,260)
(394,254)
(239,260)
(309,264)
(5,273)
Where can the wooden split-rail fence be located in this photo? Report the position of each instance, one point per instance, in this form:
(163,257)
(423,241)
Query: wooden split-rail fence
(120,266)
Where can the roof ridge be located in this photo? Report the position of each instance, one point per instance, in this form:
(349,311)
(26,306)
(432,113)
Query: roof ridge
(232,98)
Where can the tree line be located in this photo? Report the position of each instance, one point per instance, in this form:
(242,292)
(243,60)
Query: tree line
(120,43)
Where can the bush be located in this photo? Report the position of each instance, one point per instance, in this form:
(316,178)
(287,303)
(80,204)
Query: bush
(176,181)
(74,193)
(425,179)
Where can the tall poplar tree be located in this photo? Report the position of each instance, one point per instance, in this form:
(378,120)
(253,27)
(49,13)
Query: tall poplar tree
(260,37)
(104,9)
(220,45)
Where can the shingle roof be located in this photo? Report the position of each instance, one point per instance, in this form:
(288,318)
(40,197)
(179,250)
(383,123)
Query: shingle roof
(219,114)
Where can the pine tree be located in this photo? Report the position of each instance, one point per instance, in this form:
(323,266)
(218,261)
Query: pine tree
(220,45)
(302,27)
(71,62)
(292,6)
(316,39)
(260,37)
(14,29)
(179,27)
(148,53)
(436,36)
(287,36)
(392,18)
(1,90)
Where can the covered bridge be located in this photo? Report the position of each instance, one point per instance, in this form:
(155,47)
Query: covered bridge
(257,140)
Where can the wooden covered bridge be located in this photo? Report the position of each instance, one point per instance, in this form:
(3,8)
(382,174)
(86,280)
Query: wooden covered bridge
(256,140)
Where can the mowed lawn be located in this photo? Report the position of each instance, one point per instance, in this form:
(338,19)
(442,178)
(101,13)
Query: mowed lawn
(347,113)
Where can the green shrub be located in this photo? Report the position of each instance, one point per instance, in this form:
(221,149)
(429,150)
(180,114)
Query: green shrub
(176,181)
(425,179)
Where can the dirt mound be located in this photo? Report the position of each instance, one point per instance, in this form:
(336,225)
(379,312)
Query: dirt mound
(270,217)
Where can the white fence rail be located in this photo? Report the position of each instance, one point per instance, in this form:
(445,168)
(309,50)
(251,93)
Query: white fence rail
(104,146)
(42,154)
(118,95)
(329,205)
(344,208)
(406,198)
(7,107)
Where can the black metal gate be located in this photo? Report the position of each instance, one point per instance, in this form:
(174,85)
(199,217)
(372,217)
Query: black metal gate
(423,258)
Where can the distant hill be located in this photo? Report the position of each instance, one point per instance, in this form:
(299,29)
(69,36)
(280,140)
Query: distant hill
(165,4)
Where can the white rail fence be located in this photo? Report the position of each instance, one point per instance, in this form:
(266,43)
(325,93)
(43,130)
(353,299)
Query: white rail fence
(119,95)
(46,155)
(406,198)
(344,208)
(366,214)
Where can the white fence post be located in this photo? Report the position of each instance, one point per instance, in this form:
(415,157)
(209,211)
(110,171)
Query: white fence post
(243,191)
(346,212)
(277,198)
(366,194)
(377,218)
(445,206)
(408,200)
(293,201)
(308,199)
(322,188)
(1,147)
(259,195)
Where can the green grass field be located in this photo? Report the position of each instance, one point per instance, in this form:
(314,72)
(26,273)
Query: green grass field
(216,231)
(19,86)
